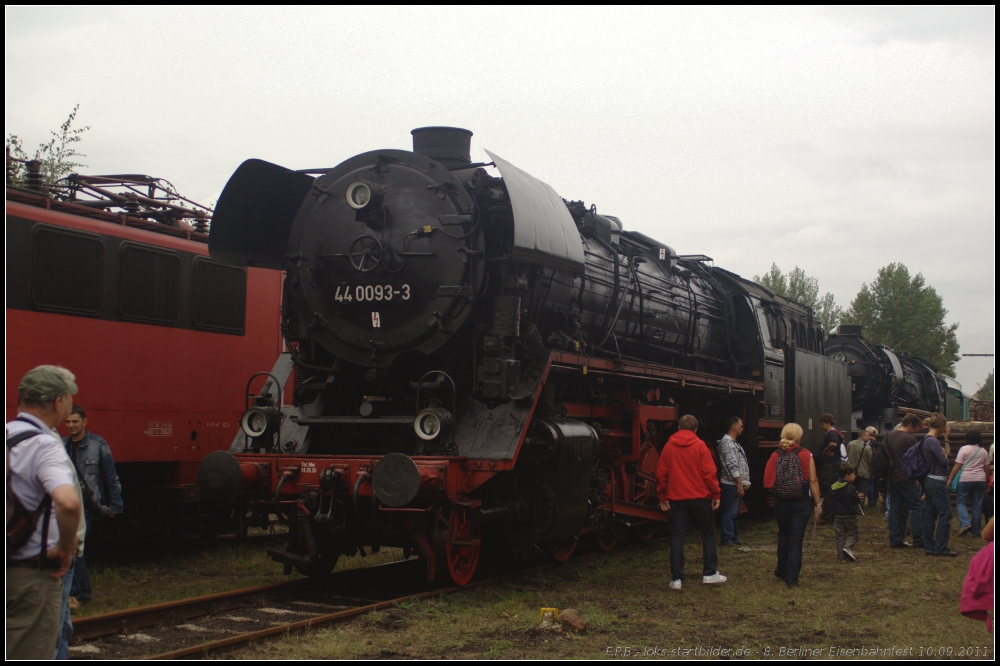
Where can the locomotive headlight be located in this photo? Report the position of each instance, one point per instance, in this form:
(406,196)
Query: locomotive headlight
(359,195)
(431,422)
(257,420)
(427,425)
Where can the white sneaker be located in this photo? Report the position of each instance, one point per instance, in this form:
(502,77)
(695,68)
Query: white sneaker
(850,555)
(676,584)
(714,578)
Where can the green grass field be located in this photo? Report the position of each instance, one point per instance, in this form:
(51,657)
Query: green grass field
(888,599)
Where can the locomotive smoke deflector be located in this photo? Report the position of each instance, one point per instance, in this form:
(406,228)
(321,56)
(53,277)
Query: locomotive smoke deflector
(544,230)
(255,213)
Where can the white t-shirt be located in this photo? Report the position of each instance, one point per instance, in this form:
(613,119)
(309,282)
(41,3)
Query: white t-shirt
(37,466)
(975,470)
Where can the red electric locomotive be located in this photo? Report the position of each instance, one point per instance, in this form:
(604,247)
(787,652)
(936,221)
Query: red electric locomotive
(111,278)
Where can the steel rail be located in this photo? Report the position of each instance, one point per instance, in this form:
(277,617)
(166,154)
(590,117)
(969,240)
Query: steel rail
(233,642)
(282,629)
(129,619)
(322,620)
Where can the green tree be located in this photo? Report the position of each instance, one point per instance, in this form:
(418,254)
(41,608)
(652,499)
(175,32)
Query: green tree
(906,314)
(985,391)
(57,156)
(803,289)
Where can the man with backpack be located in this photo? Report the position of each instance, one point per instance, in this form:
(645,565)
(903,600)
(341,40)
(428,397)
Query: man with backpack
(903,494)
(43,513)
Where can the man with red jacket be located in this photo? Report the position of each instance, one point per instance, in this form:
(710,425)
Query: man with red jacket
(688,487)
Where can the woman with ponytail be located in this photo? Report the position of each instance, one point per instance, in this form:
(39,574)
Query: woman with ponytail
(791,472)
(937,503)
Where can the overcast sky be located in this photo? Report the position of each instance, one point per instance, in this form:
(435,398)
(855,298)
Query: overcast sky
(839,140)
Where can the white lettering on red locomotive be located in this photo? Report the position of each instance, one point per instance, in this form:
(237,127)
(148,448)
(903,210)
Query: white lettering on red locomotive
(159,429)
(308,468)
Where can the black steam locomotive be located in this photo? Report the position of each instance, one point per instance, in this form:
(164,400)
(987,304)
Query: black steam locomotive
(477,360)
(885,382)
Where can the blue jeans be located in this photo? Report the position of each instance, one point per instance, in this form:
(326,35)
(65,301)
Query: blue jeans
(904,501)
(682,513)
(973,491)
(873,491)
(730,512)
(66,622)
(81,579)
(792,517)
(937,516)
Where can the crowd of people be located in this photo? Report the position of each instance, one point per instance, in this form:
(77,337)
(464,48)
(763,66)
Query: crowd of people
(914,476)
(56,487)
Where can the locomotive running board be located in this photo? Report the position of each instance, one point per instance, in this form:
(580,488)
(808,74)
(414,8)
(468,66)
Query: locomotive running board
(638,511)
(665,373)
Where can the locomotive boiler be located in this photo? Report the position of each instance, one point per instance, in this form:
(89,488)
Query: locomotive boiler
(475,360)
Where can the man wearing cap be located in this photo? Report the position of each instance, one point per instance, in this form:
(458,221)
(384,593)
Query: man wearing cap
(39,474)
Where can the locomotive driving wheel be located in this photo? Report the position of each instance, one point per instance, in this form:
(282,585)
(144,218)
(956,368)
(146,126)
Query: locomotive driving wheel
(457,547)
(565,552)
(647,532)
(608,535)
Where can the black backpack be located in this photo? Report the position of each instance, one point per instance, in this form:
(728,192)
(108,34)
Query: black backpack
(22,522)
(881,464)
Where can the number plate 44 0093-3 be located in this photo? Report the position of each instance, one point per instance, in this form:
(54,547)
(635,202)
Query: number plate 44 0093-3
(368,293)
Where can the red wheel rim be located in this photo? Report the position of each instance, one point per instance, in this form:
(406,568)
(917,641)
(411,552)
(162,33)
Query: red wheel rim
(566,552)
(462,547)
(608,539)
(646,532)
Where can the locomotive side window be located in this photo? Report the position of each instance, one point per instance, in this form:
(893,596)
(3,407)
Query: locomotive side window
(149,284)
(220,297)
(67,271)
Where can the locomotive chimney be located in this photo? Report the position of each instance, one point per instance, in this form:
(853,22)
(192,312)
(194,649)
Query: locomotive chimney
(448,145)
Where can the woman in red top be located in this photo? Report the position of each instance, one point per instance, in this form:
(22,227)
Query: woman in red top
(792,515)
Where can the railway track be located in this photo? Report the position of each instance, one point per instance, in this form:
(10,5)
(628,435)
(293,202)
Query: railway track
(215,623)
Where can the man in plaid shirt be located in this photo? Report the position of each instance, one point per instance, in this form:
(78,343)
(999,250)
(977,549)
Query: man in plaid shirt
(734,478)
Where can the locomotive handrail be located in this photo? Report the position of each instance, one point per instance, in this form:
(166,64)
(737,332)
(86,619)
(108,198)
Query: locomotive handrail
(352,420)
(454,391)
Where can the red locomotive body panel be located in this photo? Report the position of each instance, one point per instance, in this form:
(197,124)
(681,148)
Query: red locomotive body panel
(157,393)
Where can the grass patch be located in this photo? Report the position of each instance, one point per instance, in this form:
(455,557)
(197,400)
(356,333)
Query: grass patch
(888,598)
